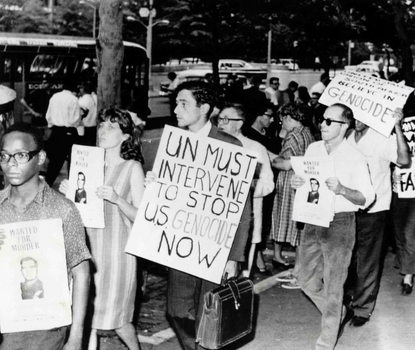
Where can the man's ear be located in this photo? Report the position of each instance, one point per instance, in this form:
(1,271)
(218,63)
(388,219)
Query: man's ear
(42,157)
(204,109)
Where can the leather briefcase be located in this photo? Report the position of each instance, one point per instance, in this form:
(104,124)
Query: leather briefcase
(227,314)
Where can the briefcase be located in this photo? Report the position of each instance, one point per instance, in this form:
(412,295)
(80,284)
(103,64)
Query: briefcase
(227,314)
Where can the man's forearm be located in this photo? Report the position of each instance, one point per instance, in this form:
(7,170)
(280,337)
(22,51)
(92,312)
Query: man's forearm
(404,157)
(354,196)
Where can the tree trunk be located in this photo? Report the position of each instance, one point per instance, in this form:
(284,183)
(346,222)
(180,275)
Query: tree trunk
(110,53)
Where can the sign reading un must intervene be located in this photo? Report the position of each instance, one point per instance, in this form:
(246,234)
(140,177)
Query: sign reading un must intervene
(188,217)
(372,100)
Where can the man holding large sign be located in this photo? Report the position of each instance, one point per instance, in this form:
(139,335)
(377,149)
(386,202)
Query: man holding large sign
(200,182)
(380,152)
(372,100)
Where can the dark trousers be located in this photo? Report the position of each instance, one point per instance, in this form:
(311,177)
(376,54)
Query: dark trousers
(59,147)
(367,262)
(90,136)
(403,211)
(185,295)
(325,255)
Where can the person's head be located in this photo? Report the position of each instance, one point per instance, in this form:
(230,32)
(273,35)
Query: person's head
(195,103)
(256,81)
(274,83)
(28,266)
(266,116)
(325,78)
(315,96)
(209,77)
(303,94)
(293,86)
(359,126)
(22,153)
(232,118)
(81,180)
(171,75)
(314,184)
(291,116)
(69,83)
(117,130)
(338,119)
(86,88)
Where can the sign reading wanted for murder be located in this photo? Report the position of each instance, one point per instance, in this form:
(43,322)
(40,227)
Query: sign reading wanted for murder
(313,202)
(85,175)
(188,218)
(34,290)
(372,100)
(406,185)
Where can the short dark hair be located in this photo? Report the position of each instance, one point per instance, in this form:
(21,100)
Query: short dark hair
(171,75)
(271,80)
(347,114)
(130,148)
(293,84)
(29,129)
(294,110)
(202,93)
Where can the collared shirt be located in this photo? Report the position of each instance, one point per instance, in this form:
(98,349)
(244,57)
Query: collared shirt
(264,180)
(48,204)
(205,130)
(351,169)
(379,151)
(63,110)
(87,102)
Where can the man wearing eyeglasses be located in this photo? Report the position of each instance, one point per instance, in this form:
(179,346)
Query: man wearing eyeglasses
(325,253)
(28,198)
(185,293)
(380,152)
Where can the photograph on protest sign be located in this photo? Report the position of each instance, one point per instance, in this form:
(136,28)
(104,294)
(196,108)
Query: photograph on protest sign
(85,176)
(313,202)
(371,99)
(406,185)
(188,218)
(34,289)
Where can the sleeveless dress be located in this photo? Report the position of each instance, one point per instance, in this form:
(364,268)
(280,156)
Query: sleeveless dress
(115,278)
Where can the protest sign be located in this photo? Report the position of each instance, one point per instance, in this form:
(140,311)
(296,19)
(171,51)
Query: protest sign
(188,218)
(371,99)
(34,290)
(85,175)
(313,202)
(406,186)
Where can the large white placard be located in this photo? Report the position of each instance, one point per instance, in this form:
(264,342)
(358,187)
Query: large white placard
(314,202)
(85,175)
(372,100)
(188,218)
(34,291)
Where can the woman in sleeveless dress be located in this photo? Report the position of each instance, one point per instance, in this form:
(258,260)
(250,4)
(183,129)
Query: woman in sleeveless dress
(115,275)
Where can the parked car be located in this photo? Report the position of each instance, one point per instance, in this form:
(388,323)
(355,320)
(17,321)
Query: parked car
(372,67)
(289,62)
(236,65)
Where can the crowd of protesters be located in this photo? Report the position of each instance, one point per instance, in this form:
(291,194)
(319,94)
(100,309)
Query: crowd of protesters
(338,267)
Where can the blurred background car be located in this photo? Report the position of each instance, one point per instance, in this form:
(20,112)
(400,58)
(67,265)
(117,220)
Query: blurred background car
(289,62)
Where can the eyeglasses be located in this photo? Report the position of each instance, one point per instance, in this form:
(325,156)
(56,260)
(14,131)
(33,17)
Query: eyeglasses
(19,157)
(329,121)
(268,115)
(226,120)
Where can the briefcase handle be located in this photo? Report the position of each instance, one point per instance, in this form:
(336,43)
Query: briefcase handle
(235,292)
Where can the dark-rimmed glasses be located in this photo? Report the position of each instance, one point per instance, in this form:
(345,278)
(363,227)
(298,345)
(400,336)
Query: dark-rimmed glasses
(226,120)
(329,121)
(19,157)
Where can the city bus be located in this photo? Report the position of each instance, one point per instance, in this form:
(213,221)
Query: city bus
(25,59)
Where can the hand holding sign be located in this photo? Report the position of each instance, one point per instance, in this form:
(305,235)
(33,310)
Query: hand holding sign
(297,181)
(108,193)
(334,185)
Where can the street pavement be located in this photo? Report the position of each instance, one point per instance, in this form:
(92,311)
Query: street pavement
(286,319)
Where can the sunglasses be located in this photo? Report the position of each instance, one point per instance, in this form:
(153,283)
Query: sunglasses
(329,121)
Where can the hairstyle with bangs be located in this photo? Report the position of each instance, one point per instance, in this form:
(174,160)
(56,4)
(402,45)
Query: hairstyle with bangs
(130,148)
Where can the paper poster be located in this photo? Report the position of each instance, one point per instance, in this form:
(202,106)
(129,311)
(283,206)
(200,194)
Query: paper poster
(85,175)
(372,100)
(34,291)
(188,218)
(314,202)
(406,186)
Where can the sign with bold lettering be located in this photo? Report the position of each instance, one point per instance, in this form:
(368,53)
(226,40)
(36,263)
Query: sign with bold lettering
(406,184)
(34,288)
(188,217)
(372,100)
(313,202)
(85,176)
